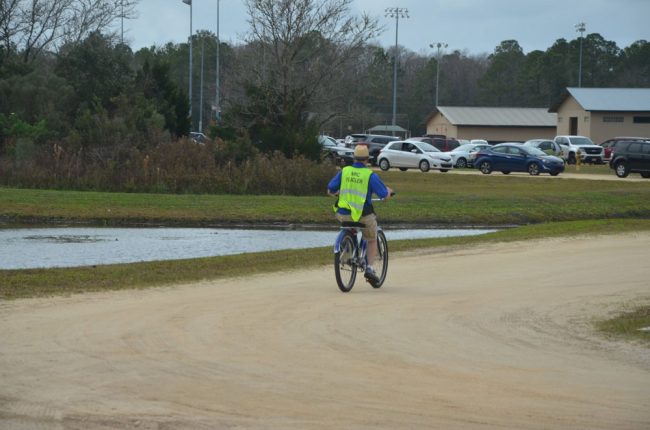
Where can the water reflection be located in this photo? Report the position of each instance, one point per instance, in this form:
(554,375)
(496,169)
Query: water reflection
(86,246)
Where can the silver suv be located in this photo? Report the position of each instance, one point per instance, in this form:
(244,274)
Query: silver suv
(574,146)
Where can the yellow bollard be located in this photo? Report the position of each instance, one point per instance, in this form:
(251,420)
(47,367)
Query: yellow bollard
(578,160)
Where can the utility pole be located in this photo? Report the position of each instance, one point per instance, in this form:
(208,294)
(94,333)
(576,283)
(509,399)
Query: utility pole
(397,13)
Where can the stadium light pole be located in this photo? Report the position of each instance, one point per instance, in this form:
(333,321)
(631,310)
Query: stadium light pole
(580,27)
(201,98)
(217,101)
(397,13)
(438,45)
(189,2)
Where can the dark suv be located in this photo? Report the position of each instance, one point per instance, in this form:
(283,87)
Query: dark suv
(442,143)
(610,144)
(631,156)
(376,143)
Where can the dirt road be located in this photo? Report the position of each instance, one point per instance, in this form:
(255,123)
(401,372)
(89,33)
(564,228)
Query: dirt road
(494,337)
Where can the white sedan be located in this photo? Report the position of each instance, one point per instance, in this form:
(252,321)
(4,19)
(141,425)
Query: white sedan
(405,154)
(464,155)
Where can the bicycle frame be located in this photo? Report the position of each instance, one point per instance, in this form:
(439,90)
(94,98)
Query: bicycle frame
(360,250)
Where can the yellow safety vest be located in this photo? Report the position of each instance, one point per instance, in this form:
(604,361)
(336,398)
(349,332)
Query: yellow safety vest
(354,190)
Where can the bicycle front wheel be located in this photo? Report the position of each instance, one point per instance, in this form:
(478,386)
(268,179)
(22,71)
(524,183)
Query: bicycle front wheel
(345,267)
(381,262)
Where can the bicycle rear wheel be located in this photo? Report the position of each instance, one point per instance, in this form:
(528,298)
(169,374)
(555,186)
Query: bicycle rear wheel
(345,267)
(381,262)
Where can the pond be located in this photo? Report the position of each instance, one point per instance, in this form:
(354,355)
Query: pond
(86,246)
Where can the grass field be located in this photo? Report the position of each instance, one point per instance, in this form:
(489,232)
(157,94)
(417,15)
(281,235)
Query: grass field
(432,199)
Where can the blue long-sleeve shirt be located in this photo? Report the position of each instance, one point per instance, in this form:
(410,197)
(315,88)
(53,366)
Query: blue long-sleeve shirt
(375,186)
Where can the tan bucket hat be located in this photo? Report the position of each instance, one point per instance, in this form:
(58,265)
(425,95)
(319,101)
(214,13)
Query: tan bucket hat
(361,152)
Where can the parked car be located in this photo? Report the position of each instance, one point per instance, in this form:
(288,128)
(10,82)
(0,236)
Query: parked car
(351,139)
(198,137)
(514,157)
(443,144)
(574,146)
(479,141)
(460,156)
(375,142)
(546,145)
(610,144)
(335,153)
(413,154)
(631,156)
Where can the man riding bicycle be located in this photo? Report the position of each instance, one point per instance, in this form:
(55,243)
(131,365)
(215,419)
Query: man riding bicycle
(355,186)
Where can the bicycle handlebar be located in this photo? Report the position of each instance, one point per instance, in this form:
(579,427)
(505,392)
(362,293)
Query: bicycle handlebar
(381,200)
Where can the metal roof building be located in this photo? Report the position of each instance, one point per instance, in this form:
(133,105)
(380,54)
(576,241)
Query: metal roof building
(492,124)
(608,99)
(604,113)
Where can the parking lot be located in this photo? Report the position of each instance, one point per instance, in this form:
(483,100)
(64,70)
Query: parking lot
(597,176)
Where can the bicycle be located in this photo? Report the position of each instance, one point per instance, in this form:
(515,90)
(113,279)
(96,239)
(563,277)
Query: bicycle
(350,255)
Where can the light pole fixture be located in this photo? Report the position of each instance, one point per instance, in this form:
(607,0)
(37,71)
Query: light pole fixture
(217,101)
(439,45)
(580,27)
(397,13)
(189,2)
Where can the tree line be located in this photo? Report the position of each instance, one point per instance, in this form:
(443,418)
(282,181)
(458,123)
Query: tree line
(68,82)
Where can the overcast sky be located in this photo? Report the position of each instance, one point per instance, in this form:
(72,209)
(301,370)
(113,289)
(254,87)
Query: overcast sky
(474,26)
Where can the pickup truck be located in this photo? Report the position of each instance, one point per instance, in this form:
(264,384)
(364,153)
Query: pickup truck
(574,146)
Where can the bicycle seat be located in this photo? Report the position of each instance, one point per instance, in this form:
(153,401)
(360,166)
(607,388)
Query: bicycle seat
(353,224)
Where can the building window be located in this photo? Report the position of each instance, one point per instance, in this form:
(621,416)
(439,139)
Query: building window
(642,119)
(613,119)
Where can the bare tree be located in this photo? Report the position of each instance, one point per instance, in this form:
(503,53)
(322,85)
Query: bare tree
(302,46)
(29,27)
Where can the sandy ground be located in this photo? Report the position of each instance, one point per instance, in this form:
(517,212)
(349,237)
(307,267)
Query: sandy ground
(495,337)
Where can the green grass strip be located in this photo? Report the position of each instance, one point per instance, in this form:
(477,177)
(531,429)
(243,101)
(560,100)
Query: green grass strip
(431,199)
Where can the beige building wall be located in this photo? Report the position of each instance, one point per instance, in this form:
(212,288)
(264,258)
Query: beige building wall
(506,134)
(440,125)
(570,108)
(606,125)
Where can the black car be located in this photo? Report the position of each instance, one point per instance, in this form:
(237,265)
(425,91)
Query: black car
(631,156)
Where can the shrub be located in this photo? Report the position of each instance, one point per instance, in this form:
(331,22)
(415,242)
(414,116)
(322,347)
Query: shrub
(172,167)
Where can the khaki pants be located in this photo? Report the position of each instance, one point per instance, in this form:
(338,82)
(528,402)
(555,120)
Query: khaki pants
(370,231)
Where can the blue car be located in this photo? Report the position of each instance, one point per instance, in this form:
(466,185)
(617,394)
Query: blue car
(513,157)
